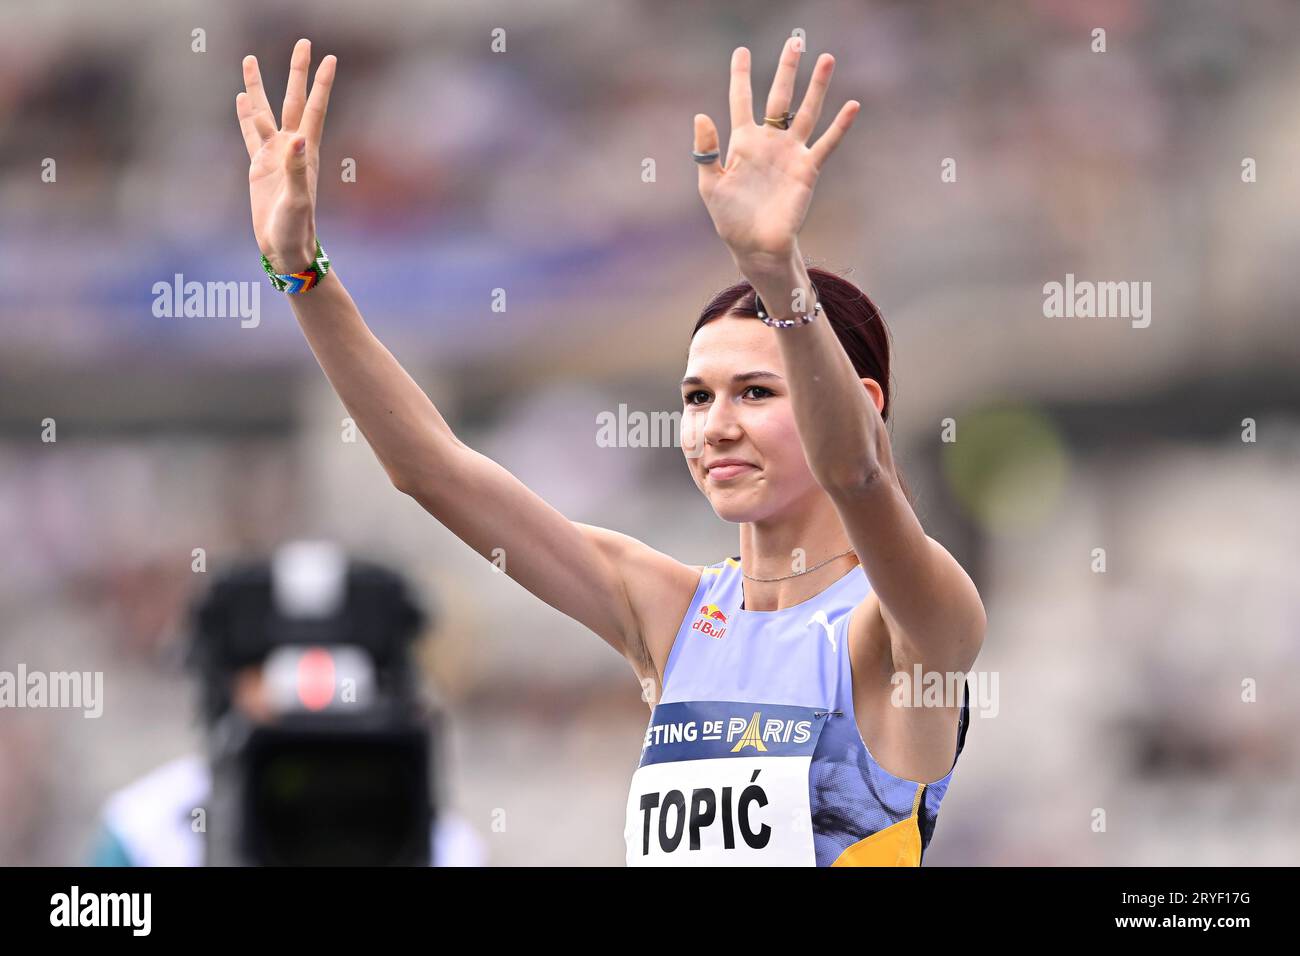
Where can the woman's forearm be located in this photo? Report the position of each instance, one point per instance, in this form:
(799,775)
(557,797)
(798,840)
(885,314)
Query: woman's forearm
(404,429)
(841,430)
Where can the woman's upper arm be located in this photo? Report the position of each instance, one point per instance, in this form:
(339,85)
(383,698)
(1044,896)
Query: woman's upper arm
(658,587)
(610,583)
(928,602)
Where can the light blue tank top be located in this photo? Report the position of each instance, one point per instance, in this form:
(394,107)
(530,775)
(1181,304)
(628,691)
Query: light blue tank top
(753,755)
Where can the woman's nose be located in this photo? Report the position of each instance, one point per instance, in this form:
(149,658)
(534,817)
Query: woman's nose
(707,426)
(720,423)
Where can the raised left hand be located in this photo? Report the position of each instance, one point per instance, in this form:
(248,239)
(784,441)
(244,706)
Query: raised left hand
(759,198)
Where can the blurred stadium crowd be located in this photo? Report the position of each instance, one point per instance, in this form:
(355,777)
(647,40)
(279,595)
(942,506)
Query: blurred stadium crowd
(525,170)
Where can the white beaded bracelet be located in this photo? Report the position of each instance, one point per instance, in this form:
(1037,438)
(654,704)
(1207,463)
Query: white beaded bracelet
(785,323)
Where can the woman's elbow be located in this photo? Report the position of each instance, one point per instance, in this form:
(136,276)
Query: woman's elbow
(855,480)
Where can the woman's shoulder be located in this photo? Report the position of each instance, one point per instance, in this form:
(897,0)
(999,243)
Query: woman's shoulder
(719,567)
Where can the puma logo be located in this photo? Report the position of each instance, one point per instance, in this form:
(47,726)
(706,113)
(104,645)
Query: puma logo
(820,618)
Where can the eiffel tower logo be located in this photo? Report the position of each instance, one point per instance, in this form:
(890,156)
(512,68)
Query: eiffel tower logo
(750,737)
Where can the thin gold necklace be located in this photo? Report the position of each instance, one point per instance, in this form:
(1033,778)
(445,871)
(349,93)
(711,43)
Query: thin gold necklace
(797,573)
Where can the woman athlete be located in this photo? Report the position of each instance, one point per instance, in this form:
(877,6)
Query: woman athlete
(785,725)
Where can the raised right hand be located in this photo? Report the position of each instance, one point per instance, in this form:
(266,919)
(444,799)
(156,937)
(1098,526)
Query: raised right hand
(285,161)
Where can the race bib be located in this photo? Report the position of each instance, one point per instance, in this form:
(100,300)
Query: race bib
(724,783)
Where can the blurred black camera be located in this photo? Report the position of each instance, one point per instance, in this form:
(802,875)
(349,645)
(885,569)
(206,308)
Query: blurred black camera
(320,739)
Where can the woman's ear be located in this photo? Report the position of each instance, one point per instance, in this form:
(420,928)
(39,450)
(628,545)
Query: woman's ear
(877,395)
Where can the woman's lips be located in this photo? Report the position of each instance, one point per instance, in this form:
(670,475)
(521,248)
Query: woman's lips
(723,472)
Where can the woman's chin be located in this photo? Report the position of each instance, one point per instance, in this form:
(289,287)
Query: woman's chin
(735,508)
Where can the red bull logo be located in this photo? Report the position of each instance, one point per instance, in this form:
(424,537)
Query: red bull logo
(710,620)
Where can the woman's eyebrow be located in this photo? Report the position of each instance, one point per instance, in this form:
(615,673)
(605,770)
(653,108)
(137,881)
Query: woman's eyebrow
(735,379)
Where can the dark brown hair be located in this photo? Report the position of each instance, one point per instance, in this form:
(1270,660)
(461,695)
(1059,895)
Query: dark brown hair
(857,322)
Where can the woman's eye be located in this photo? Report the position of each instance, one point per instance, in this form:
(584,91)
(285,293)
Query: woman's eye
(762,393)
